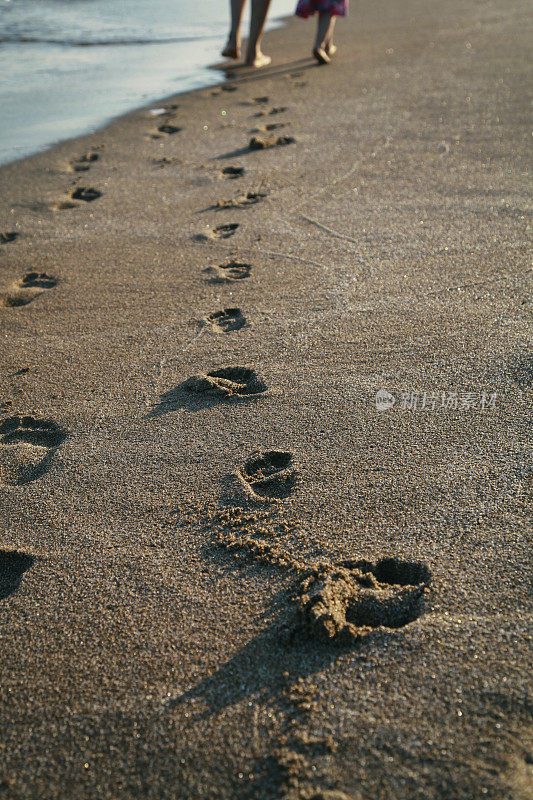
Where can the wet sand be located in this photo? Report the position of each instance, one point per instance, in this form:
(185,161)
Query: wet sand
(224,571)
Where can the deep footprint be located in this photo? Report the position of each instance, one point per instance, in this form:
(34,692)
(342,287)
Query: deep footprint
(226,382)
(27,446)
(232,172)
(13,565)
(345,601)
(8,236)
(269,475)
(85,193)
(168,129)
(232,271)
(230,319)
(27,289)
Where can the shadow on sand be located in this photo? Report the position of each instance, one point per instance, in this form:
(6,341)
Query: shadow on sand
(181,398)
(13,565)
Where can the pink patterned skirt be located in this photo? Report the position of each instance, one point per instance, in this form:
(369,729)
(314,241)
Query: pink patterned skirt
(306,8)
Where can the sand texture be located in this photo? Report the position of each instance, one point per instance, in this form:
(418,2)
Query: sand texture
(225,572)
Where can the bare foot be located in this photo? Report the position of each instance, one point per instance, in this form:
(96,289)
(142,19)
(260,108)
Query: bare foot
(258,60)
(321,56)
(330,49)
(232,50)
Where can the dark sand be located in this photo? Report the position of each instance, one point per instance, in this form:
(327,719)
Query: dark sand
(150,646)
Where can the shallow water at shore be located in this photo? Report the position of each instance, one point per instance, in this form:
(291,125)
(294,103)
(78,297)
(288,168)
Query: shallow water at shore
(68,66)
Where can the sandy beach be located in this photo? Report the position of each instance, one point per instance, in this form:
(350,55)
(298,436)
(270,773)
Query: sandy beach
(264,448)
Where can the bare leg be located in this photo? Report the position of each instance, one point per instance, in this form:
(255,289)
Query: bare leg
(233,46)
(254,56)
(329,47)
(324,46)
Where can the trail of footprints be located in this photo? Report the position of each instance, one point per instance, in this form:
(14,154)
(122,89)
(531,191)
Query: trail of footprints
(79,194)
(336,601)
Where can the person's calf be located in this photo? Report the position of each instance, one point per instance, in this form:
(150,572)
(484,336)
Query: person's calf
(233,47)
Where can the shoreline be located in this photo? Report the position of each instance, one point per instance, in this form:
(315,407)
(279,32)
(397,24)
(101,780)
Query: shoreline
(196,333)
(191,82)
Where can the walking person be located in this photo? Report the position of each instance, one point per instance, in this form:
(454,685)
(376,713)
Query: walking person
(254,56)
(328,11)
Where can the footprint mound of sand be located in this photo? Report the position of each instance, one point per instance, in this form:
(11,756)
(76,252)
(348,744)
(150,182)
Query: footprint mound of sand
(348,600)
(226,382)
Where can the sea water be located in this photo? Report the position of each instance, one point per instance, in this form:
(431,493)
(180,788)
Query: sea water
(69,66)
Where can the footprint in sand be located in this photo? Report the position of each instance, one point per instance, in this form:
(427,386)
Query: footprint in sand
(220,232)
(13,565)
(85,193)
(205,390)
(226,382)
(168,129)
(294,77)
(269,475)
(231,172)
(27,289)
(8,236)
(275,110)
(27,445)
(164,161)
(266,142)
(230,319)
(79,193)
(165,129)
(83,163)
(242,201)
(225,273)
(350,599)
